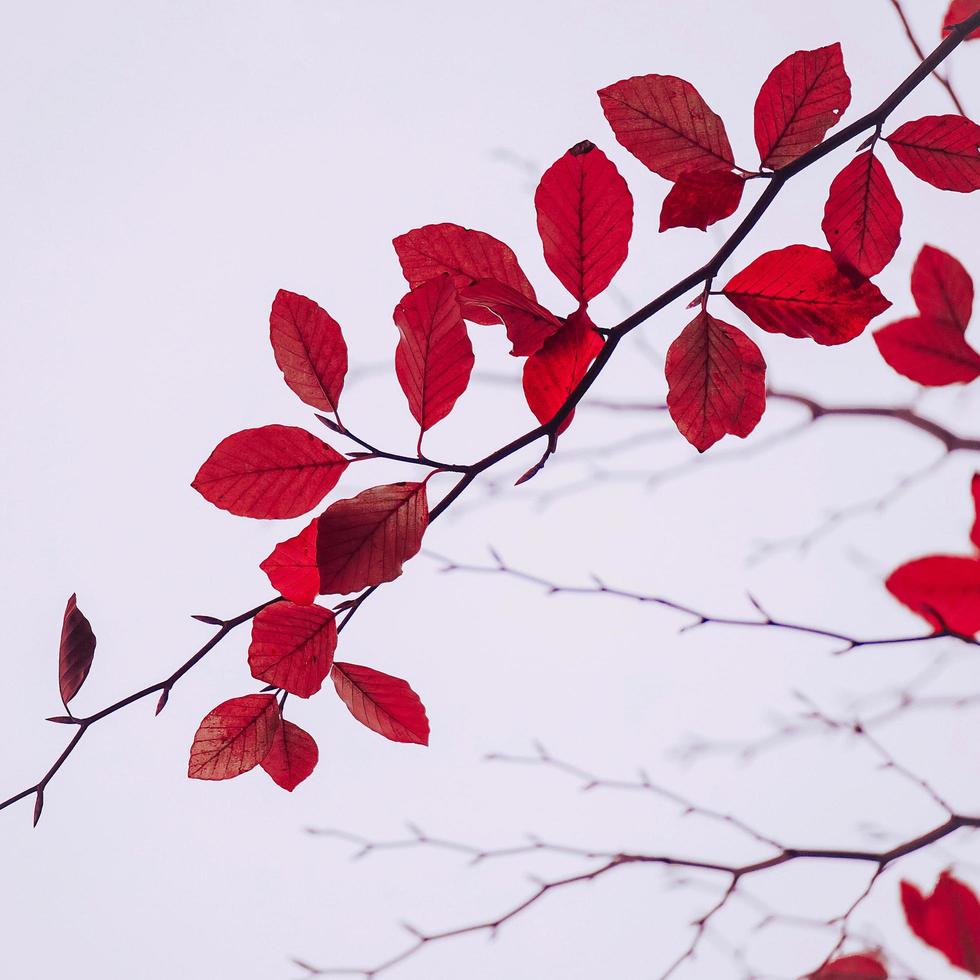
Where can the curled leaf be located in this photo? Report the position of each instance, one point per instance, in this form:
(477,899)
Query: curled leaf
(76,652)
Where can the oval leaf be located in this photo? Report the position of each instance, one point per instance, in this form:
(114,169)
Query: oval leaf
(434,357)
(309,348)
(385,704)
(666,125)
(527,322)
(799,291)
(292,567)
(464,254)
(941,150)
(862,220)
(76,652)
(700,199)
(275,471)
(363,541)
(803,97)
(235,737)
(942,288)
(948,920)
(942,589)
(292,757)
(292,647)
(585,220)
(859,966)
(717,382)
(929,352)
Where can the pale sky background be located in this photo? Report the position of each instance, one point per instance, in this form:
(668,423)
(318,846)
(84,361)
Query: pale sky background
(169,166)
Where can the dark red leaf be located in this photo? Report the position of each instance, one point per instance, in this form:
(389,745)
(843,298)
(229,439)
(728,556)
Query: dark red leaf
(942,589)
(292,567)
(292,647)
(858,966)
(76,653)
(947,920)
(385,704)
(274,471)
(434,250)
(585,220)
(959,11)
(717,382)
(941,150)
(930,352)
(863,217)
(552,374)
(799,291)
(528,323)
(803,97)
(666,125)
(292,757)
(364,540)
(309,348)
(942,288)
(700,198)
(235,737)
(434,357)
(975,490)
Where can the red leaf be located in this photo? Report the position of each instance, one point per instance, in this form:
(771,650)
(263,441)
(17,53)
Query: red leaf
(585,219)
(975,490)
(942,288)
(292,647)
(385,704)
(273,471)
(292,567)
(76,653)
(292,757)
(717,382)
(235,737)
(929,352)
(666,125)
(434,250)
(803,97)
(859,966)
(434,357)
(948,920)
(799,291)
(699,199)
(528,323)
(941,150)
(553,373)
(309,348)
(942,589)
(364,540)
(863,217)
(959,11)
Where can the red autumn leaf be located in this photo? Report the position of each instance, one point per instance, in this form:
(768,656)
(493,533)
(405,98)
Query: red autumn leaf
(862,220)
(364,540)
(947,920)
(464,254)
(309,348)
(292,647)
(975,490)
(942,288)
(942,589)
(717,382)
(292,757)
(274,471)
(666,125)
(585,220)
(700,198)
(434,357)
(803,97)
(235,737)
(552,374)
(76,652)
(941,150)
(799,291)
(859,966)
(959,11)
(385,704)
(929,352)
(528,324)
(292,567)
